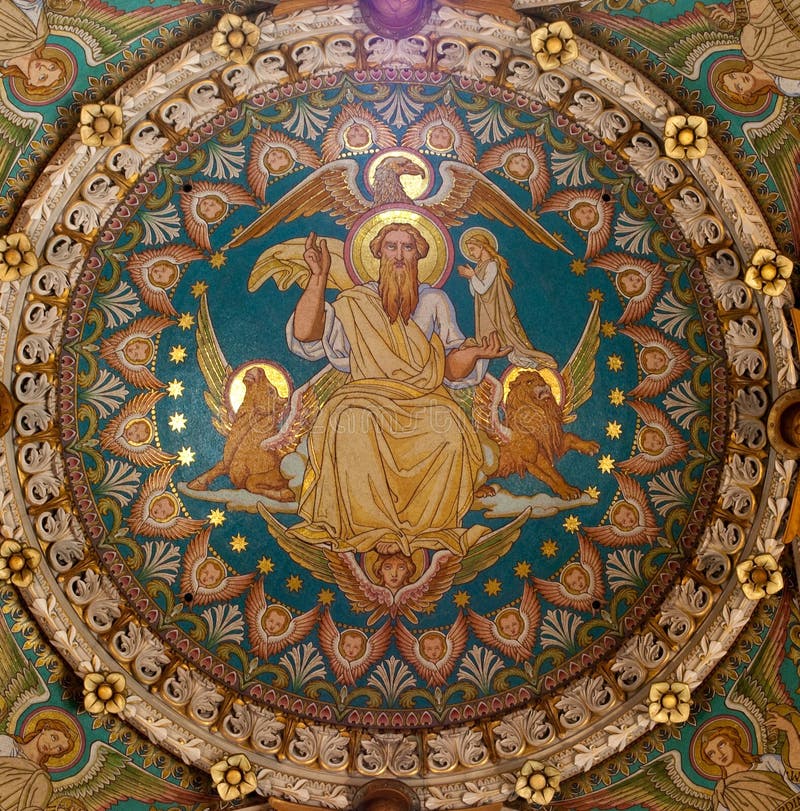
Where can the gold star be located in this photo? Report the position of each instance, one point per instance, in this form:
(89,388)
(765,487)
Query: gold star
(265,565)
(617,397)
(614,363)
(608,329)
(614,430)
(325,597)
(572,523)
(596,295)
(461,599)
(175,388)
(177,354)
(605,464)
(578,267)
(593,492)
(549,548)
(198,288)
(238,542)
(294,583)
(217,260)
(492,587)
(522,569)
(177,422)
(186,321)
(216,517)
(186,456)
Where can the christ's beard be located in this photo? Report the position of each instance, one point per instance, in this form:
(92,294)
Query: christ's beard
(399,289)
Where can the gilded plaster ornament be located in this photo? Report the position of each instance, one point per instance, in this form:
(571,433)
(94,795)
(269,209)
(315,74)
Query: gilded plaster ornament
(17,562)
(233,777)
(101,125)
(104,693)
(235,38)
(537,782)
(17,257)
(768,272)
(554,45)
(669,703)
(686,137)
(759,576)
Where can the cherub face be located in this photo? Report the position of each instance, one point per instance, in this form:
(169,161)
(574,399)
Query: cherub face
(211,208)
(652,440)
(357,136)
(394,571)
(584,216)
(575,579)
(624,516)
(275,620)
(352,645)
(509,623)
(163,508)
(653,360)
(138,431)
(440,138)
(278,160)
(519,166)
(630,282)
(138,350)
(433,645)
(163,273)
(210,573)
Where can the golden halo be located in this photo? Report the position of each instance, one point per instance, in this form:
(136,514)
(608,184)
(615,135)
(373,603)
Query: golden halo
(433,269)
(550,376)
(702,765)
(73,754)
(473,232)
(275,374)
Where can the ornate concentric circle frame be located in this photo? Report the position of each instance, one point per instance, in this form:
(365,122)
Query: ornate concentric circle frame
(587,716)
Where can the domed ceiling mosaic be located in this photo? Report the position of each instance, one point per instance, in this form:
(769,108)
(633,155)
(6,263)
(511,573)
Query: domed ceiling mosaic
(399,406)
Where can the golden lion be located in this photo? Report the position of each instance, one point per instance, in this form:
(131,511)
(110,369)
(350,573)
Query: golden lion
(537,437)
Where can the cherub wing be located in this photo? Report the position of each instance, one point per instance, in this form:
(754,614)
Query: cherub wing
(661,785)
(648,461)
(521,647)
(16,130)
(654,383)
(333,142)
(309,556)
(140,263)
(332,187)
(464,145)
(106,31)
(642,529)
(109,777)
(112,350)
(557,593)
(538,182)
(363,594)
(266,644)
(429,587)
(578,372)
(303,409)
(172,526)
(22,684)
(285,264)
(216,370)
(466,191)
(197,227)
(598,234)
(434,672)
(348,671)
(683,43)
(227,588)
(113,438)
(490,549)
(258,173)
(651,274)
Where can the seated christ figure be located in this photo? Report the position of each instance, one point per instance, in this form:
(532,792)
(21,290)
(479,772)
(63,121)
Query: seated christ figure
(393,461)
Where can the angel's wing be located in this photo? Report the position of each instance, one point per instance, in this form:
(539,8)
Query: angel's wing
(22,684)
(490,549)
(487,397)
(110,777)
(215,369)
(466,191)
(429,587)
(434,671)
(363,594)
(16,130)
(332,188)
(105,31)
(683,43)
(499,157)
(137,410)
(661,785)
(348,668)
(578,372)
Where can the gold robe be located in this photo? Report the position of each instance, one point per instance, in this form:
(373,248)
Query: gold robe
(18,35)
(753,790)
(391,456)
(771,39)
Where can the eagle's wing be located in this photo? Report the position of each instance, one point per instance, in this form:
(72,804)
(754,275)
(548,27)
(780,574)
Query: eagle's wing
(466,191)
(578,373)
(330,188)
(216,370)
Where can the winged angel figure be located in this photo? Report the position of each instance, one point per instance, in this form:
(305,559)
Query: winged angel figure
(50,737)
(721,750)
